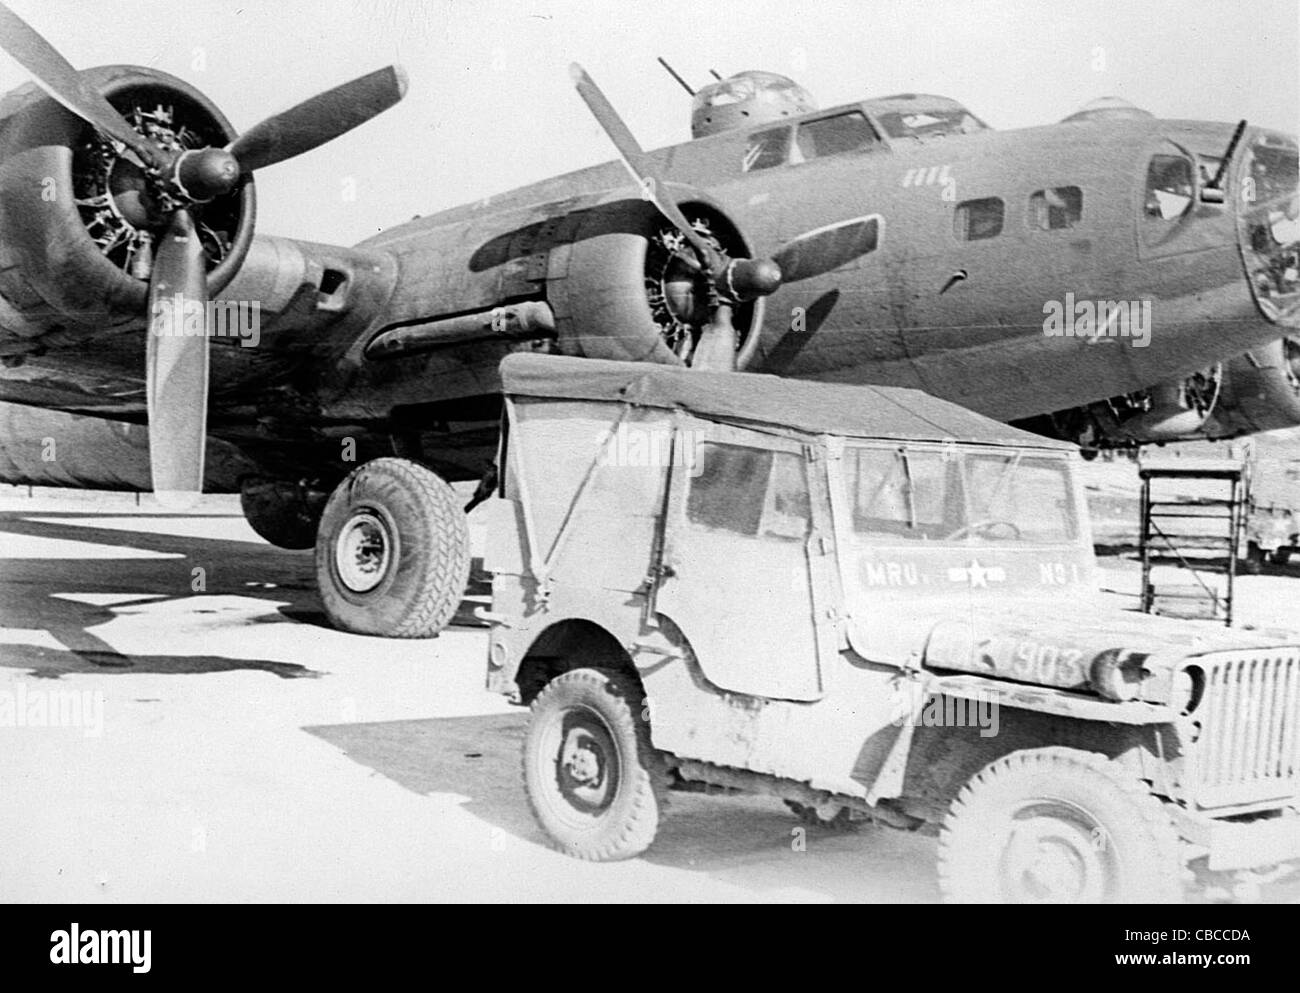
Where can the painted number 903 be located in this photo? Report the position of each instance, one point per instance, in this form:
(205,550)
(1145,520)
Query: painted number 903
(1040,662)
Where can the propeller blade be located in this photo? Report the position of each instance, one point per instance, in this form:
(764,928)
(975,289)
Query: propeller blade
(323,118)
(817,252)
(716,350)
(59,79)
(640,165)
(177,364)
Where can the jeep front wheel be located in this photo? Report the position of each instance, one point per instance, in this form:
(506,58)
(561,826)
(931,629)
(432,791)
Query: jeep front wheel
(589,769)
(1057,825)
(392,551)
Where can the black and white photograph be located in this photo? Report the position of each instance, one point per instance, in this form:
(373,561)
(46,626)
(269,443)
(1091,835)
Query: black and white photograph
(561,452)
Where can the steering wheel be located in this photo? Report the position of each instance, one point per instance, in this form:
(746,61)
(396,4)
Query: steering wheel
(984,525)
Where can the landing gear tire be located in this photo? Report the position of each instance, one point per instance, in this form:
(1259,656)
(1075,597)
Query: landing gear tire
(281,512)
(590,772)
(392,551)
(1058,825)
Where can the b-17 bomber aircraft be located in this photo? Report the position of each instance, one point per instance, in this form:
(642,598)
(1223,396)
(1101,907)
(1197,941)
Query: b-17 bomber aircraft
(1113,279)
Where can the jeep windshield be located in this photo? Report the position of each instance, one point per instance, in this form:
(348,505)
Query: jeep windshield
(950,494)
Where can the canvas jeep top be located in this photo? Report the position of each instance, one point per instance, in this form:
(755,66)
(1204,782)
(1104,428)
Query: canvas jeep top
(871,603)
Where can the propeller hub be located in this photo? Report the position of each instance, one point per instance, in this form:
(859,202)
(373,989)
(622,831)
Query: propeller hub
(202,174)
(746,279)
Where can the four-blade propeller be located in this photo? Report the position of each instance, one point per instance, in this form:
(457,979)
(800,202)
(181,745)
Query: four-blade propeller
(177,361)
(731,281)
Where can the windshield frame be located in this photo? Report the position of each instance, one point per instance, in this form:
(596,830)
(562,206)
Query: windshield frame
(1075,522)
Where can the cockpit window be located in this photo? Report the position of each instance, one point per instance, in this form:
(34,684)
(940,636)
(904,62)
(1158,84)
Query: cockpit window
(767,149)
(817,139)
(1056,208)
(930,122)
(834,136)
(1170,187)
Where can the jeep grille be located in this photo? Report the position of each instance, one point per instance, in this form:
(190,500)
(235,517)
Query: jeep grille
(1249,747)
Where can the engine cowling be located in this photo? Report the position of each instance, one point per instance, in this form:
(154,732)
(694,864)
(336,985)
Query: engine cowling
(623,286)
(618,278)
(72,220)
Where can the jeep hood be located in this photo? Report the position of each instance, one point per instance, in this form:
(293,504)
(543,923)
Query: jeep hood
(1026,643)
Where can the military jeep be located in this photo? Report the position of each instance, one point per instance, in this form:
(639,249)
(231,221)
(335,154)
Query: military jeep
(872,604)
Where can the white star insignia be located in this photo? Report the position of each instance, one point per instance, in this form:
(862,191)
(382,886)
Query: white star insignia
(976,574)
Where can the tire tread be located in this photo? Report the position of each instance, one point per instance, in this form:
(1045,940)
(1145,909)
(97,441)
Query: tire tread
(636,832)
(1161,881)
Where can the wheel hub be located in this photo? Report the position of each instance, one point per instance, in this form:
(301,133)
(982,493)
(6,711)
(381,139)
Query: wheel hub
(362,551)
(1052,858)
(586,765)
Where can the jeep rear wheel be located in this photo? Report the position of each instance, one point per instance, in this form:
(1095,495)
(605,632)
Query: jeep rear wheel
(392,551)
(1057,825)
(589,769)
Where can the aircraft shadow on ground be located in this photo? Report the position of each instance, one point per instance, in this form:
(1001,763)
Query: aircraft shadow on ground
(745,841)
(33,594)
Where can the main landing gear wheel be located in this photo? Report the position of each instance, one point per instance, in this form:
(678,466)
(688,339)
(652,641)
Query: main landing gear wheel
(589,769)
(392,551)
(1058,825)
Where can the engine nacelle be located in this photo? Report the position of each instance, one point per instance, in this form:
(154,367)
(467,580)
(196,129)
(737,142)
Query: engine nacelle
(74,217)
(618,278)
(623,287)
